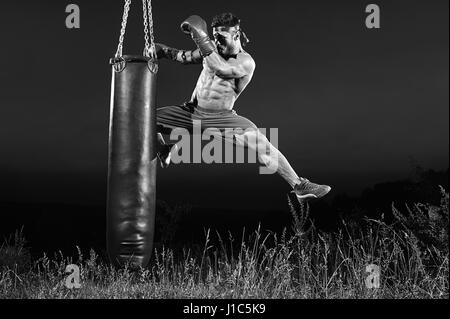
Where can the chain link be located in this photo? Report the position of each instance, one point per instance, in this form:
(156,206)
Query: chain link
(126,10)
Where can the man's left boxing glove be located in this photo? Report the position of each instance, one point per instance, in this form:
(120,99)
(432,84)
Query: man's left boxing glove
(165,52)
(197,28)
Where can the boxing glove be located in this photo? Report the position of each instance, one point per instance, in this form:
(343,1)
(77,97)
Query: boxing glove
(197,28)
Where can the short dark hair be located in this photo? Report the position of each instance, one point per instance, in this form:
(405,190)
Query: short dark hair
(226,19)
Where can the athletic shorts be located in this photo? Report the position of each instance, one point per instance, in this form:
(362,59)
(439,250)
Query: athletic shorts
(183,116)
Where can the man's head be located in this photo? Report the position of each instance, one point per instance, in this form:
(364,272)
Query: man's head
(228,34)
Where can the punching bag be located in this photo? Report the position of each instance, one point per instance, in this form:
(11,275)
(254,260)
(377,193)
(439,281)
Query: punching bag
(131,161)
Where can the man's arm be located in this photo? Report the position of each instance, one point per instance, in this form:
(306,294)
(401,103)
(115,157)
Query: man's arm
(233,68)
(243,65)
(182,56)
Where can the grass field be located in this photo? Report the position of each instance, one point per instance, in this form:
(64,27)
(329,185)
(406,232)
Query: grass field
(412,254)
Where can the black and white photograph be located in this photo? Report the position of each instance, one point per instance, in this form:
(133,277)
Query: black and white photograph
(224,156)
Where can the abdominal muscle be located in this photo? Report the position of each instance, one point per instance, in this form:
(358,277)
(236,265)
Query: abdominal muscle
(215,93)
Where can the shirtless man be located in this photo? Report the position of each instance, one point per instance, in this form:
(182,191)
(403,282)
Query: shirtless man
(227,70)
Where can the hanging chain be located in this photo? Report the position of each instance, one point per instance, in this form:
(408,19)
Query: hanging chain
(149,50)
(150,24)
(147,46)
(148,28)
(126,10)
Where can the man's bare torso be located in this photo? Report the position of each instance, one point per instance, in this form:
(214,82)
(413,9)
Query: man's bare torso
(220,93)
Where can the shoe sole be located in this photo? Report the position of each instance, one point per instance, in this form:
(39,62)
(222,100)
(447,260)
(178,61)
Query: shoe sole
(311,196)
(307,196)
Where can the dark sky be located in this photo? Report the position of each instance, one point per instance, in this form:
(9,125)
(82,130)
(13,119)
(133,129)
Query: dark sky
(353,106)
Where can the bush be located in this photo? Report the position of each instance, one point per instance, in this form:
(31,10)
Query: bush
(14,254)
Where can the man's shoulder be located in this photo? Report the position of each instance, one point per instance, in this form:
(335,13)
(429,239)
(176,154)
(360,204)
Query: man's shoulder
(244,55)
(246,59)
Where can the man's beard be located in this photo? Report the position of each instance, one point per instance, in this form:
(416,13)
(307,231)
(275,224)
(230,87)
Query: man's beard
(222,49)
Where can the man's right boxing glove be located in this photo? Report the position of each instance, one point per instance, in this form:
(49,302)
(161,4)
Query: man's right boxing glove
(197,28)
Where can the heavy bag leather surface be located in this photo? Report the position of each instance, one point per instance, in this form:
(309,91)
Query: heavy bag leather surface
(131,162)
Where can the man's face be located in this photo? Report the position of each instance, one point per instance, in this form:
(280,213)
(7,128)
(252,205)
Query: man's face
(226,40)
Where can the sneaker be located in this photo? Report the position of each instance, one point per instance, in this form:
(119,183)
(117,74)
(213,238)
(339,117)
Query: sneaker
(307,190)
(165,151)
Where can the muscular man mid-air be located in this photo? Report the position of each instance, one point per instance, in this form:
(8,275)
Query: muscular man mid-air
(227,70)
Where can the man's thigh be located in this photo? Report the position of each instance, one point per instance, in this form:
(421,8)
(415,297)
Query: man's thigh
(226,121)
(233,129)
(172,117)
